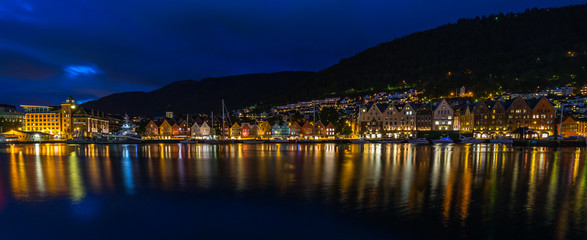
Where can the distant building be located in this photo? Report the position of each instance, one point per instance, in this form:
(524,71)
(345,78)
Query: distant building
(9,113)
(62,121)
(564,91)
(584,90)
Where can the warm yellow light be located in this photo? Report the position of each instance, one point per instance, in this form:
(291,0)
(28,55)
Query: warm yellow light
(72,106)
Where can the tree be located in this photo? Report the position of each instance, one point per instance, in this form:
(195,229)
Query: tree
(298,117)
(143,125)
(329,114)
(343,127)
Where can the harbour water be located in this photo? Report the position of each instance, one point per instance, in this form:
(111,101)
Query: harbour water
(292,191)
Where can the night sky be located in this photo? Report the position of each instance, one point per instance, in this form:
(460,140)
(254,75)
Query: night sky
(92,48)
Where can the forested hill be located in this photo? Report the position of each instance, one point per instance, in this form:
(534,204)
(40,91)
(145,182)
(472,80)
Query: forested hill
(516,51)
(205,95)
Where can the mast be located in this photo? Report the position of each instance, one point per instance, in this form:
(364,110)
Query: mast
(212,131)
(222,128)
(314,125)
(560,132)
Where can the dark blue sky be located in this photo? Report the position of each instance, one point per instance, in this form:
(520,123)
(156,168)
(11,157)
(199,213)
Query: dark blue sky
(92,48)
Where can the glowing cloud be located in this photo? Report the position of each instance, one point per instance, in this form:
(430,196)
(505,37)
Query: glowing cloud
(80,70)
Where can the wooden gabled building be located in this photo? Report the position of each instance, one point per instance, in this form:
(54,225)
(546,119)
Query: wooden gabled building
(423,117)
(295,129)
(307,129)
(518,114)
(330,130)
(543,117)
(319,129)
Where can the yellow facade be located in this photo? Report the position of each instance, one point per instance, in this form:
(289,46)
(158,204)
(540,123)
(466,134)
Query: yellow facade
(59,121)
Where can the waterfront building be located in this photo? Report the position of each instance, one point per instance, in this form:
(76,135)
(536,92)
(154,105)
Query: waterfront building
(245,129)
(184,128)
(442,117)
(371,120)
(307,129)
(90,123)
(406,119)
(390,115)
(165,127)
(295,129)
(330,130)
(319,129)
(423,117)
(464,118)
(62,121)
(570,127)
(255,130)
(490,119)
(235,130)
(23,136)
(152,128)
(518,114)
(264,128)
(280,130)
(195,130)
(543,117)
(225,131)
(205,130)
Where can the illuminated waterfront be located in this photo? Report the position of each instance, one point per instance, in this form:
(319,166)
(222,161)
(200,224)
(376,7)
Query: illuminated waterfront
(308,191)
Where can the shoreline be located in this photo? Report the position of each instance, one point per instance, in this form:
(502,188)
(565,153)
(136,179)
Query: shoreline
(517,143)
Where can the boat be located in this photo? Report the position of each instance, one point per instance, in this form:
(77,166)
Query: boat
(187,141)
(253,141)
(391,141)
(419,141)
(127,134)
(443,140)
(503,140)
(359,141)
(471,140)
(279,141)
(79,138)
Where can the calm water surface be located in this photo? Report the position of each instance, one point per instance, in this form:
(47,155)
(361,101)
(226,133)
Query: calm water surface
(290,191)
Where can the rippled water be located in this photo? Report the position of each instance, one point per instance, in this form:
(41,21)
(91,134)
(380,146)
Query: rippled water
(290,191)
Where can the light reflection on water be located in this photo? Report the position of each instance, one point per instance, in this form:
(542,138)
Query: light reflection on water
(462,188)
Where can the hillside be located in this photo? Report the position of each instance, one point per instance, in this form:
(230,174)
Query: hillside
(203,96)
(516,51)
(537,48)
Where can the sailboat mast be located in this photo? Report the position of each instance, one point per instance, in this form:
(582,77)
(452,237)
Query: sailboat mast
(222,119)
(314,125)
(212,127)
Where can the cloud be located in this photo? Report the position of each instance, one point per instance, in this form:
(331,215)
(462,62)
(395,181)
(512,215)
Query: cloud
(81,70)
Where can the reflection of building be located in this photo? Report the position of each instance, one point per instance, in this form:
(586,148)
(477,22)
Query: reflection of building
(63,120)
